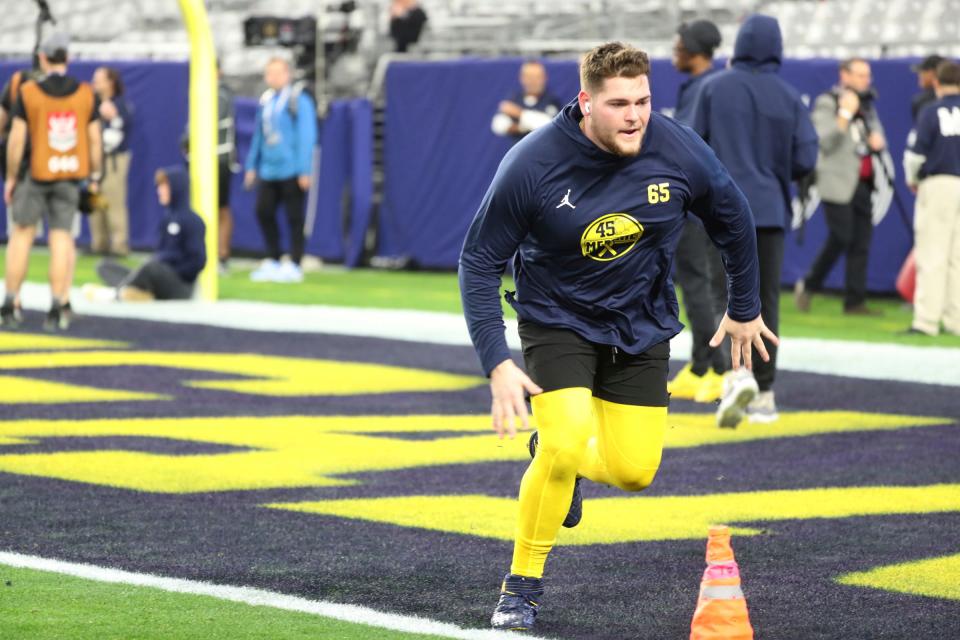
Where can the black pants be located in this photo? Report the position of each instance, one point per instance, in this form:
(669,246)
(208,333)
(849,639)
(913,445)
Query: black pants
(270,195)
(161,280)
(851,229)
(770,252)
(701,276)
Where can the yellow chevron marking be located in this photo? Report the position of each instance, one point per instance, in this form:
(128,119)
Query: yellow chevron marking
(635,519)
(263,375)
(935,577)
(295,451)
(40,342)
(29,391)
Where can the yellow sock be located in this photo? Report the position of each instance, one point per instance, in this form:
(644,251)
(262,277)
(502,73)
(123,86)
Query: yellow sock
(565,422)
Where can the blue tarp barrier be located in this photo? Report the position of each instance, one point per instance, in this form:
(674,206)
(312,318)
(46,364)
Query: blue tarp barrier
(440,154)
(158,92)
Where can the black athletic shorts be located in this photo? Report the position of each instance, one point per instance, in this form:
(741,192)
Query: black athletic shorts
(561,358)
(162,281)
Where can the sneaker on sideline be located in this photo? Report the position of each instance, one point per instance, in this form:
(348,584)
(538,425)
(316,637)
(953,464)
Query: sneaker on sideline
(711,387)
(739,389)
(763,409)
(289,272)
(98,293)
(685,384)
(11,317)
(266,272)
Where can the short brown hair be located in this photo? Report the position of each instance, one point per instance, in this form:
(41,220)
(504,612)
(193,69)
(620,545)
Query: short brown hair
(612,60)
(160,177)
(948,73)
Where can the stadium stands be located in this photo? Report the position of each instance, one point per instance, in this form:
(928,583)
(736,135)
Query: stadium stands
(124,29)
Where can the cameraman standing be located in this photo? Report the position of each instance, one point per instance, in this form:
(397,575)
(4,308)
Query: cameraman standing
(850,132)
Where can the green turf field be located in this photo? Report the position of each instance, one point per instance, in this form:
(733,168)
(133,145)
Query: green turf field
(439,292)
(41,606)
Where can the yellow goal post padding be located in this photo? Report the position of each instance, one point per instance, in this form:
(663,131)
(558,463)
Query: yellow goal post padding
(203,136)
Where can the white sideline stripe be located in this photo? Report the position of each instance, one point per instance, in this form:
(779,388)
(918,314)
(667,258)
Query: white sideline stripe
(874,361)
(256,597)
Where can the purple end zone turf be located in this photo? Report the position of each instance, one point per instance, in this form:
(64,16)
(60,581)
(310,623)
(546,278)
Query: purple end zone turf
(614,591)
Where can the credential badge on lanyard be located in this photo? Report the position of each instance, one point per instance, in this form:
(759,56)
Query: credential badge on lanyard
(272,111)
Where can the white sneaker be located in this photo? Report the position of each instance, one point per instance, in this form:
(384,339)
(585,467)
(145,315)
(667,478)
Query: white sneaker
(266,272)
(739,389)
(97,293)
(289,272)
(763,409)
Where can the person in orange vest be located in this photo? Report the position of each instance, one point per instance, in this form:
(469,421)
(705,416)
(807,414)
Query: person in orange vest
(55,127)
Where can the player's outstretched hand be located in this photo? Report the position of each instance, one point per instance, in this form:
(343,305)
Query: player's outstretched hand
(507,384)
(742,336)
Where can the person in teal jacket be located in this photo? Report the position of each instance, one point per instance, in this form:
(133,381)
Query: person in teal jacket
(280,165)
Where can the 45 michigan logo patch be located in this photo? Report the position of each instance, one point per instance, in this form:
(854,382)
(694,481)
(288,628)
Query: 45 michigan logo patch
(610,236)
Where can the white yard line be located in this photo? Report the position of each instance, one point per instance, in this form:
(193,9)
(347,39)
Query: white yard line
(876,361)
(255,597)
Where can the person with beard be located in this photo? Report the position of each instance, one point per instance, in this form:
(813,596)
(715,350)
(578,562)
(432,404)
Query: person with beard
(698,268)
(850,134)
(761,131)
(590,207)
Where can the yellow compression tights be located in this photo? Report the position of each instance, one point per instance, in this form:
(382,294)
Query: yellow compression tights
(615,444)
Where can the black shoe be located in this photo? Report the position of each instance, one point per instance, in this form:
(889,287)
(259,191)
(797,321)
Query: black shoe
(913,331)
(518,605)
(66,316)
(10,315)
(58,318)
(575,512)
(862,310)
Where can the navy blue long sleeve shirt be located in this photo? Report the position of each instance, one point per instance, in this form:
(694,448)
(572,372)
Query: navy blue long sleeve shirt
(593,236)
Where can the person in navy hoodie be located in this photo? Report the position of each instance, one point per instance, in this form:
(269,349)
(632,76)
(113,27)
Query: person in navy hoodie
(180,256)
(590,208)
(763,133)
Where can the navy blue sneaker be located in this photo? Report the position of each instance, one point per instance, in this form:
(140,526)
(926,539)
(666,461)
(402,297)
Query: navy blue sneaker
(519,603)
(575,513)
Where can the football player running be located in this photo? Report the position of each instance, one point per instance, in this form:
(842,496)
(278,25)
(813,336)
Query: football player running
(590,207)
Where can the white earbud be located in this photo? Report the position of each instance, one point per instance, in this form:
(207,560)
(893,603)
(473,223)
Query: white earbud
(586,107)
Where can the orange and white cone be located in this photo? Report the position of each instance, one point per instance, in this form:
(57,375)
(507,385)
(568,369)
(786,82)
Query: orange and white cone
(721,610)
